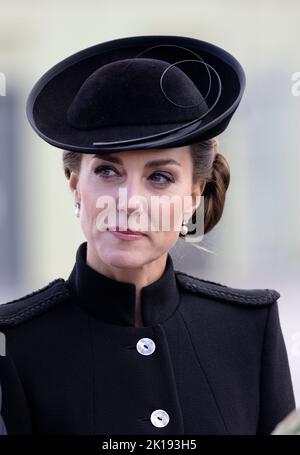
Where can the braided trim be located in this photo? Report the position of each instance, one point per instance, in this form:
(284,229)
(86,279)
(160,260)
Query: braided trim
(209,288)
(36,291)
(201,280)
(36,308)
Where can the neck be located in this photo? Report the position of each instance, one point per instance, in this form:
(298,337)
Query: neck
(140,276)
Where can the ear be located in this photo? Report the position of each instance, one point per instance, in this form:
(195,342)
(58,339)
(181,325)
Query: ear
(74,185)
(195,201)
(197,190)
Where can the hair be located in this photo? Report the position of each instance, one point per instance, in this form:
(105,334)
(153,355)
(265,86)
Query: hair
(211,165)
(208,163)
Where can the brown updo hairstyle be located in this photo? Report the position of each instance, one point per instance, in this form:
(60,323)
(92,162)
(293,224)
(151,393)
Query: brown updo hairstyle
(208,163)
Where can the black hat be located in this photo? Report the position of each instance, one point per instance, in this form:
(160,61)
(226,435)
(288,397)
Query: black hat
(137,92)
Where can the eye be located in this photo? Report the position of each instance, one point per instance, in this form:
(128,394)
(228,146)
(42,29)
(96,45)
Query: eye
(168,179)
(99,170)
(156,176)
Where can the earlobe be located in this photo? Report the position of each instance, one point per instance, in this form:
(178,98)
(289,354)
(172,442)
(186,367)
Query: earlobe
(73,182)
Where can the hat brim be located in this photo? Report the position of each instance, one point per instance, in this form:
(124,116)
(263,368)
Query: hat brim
(49,99)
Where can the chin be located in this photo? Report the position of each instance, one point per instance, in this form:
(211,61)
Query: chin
(123,259)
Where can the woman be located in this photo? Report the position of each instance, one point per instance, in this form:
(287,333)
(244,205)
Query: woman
(127,344)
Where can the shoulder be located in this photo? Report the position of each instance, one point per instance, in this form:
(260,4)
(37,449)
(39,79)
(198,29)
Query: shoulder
(210,289)
(39,301)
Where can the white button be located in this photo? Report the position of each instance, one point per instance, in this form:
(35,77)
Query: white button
(160,418)
(145,346)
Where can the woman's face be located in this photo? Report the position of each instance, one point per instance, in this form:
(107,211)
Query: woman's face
(144,179)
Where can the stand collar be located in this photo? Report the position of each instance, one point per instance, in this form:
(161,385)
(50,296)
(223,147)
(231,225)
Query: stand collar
(114,301)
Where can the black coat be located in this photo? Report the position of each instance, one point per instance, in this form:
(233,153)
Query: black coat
(2,424)
(210,359)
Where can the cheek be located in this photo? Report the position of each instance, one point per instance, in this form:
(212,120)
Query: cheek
(88,203)
(88,209)
(166,217)
(90,190)
(97,214)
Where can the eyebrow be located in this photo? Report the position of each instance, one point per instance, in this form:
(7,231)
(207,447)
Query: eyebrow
(149,164)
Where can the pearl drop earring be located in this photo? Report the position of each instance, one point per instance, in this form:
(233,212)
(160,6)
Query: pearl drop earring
(184,229)
(77,209)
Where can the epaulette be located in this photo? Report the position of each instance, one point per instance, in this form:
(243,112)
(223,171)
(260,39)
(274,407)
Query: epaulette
(30,305)
(226,293)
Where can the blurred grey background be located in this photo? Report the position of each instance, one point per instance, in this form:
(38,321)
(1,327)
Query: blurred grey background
(256,243)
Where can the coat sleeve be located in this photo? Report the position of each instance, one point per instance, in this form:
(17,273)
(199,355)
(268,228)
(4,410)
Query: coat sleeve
(2,424)
(15,412)
(276,390)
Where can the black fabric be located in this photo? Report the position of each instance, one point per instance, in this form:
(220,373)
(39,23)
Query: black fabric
(2,424)
(159,299)
(103,100)
(219,367)
(127,89)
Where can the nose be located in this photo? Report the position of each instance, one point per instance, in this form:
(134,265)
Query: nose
(131,195)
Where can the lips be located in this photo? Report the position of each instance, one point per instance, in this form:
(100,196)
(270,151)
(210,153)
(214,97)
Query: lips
(129,231)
